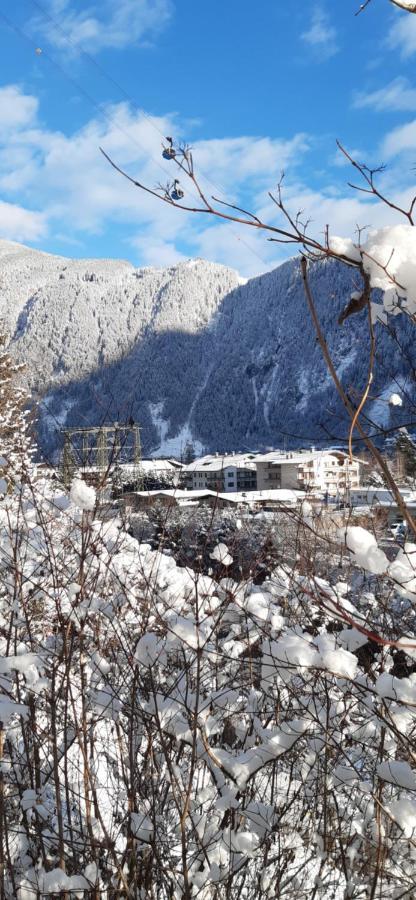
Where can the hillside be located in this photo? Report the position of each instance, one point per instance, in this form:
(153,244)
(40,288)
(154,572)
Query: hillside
(189,351)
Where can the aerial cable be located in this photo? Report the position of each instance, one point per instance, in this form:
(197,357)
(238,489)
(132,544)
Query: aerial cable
(98,66)
(102,112)
(107,117)
(91,59)
(168,153)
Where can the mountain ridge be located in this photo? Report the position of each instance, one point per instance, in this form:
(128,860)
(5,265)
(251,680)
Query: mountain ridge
(191,351)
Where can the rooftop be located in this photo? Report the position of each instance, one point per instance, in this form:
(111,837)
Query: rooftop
(278,496)
(216,463)
(297,457)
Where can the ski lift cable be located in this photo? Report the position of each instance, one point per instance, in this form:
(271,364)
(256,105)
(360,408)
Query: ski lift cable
(110,78)
(96,64)
(102,112)
(88,56)
(108,117)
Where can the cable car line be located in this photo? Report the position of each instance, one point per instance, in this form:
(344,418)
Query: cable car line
(167,153)
(102,112)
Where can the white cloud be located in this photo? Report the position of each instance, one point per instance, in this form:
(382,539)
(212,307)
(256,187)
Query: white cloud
(398,95)
(155,251)
(402,36)
(321,36)
(59,183)
(67,178)
(232,161)
(17,109)
(400,140)
(115,23)
(19,224)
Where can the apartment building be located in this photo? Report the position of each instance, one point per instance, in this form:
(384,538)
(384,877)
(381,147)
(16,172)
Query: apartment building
(233,472)
(329,471)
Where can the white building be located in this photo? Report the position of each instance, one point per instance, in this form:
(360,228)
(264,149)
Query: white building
(329,471)
(372,496)
(232,472)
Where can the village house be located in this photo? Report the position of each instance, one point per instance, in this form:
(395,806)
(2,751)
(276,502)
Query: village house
(271,501)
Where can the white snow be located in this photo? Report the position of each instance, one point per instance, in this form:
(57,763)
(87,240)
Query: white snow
(358,539)
(343,247)
(364,547)
(83,495)
(220,554)
(174,446)
(388,255)
(395,400)
(404,812)
(397,772)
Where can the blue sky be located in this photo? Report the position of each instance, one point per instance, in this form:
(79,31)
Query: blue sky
(255,88)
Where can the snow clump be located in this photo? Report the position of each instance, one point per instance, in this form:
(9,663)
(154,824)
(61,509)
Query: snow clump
(397,772)
(82,495)
(363,546)
(220,554)
(388,257)
(396,400)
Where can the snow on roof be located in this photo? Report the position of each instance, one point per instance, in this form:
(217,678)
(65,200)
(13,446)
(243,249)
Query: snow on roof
(214,463)
(148,465)
(178,493)
(159,465)
(217,463)
(298,457)
(278,457)
(410,503)
(368,489)
(280,495)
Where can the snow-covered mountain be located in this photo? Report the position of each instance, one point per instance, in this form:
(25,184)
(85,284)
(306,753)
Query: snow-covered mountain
(190,352)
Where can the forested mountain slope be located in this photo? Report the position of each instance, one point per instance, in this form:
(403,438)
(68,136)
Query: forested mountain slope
(190,352)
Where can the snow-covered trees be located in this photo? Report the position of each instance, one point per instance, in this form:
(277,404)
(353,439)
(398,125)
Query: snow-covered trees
(405,448)
(172,734)
(14,437)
